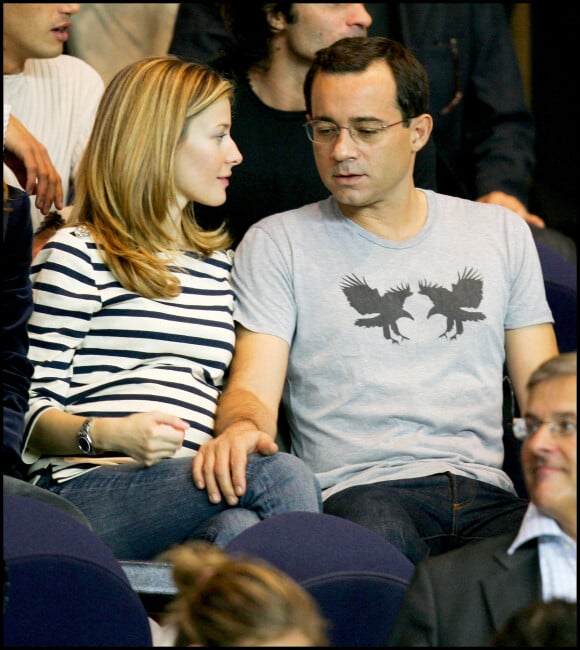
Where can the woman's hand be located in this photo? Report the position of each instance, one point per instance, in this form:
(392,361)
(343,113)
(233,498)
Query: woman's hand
(146,437)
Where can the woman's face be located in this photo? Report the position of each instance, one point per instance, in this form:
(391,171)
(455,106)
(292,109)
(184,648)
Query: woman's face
(205,157)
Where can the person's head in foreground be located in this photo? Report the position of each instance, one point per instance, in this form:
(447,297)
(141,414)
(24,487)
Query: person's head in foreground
(541,624)
(228,600)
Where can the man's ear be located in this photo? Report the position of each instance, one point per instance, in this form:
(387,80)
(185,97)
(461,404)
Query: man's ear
(276,20)
(421,128)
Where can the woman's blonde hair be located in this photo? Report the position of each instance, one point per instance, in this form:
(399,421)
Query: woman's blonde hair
(228,600)
(125,184)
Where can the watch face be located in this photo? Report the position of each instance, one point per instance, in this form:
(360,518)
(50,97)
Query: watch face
(85,445)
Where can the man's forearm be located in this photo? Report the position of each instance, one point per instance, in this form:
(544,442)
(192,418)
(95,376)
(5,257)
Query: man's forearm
(238,405)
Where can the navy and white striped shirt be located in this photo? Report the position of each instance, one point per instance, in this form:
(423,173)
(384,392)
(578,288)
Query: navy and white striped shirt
(101,350)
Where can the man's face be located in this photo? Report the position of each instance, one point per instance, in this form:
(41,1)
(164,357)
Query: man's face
(362,176)
(549,461)
(318,25)
(34,31)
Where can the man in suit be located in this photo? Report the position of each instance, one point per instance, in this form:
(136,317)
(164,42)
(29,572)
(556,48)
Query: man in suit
(463,597)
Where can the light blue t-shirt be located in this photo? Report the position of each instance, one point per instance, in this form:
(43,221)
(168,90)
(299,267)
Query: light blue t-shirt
(397,347)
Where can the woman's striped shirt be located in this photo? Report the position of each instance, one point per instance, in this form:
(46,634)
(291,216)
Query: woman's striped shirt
(101,350)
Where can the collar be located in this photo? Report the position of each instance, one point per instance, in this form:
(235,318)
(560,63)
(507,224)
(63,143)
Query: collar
(536,525)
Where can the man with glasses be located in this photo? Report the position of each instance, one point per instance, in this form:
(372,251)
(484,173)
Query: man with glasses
(270,50)
(464,597)
(381,317)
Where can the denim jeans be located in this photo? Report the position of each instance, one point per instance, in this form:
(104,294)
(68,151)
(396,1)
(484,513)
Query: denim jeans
(432,514)
(140,512)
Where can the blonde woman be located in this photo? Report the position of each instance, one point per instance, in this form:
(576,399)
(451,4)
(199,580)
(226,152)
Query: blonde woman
(238,601)
(132,330)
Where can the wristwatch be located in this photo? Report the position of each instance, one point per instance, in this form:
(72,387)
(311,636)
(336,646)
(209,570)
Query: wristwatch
(84,440)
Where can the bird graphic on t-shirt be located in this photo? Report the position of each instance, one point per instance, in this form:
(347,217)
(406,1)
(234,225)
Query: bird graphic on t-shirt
(389,306)
(467,292)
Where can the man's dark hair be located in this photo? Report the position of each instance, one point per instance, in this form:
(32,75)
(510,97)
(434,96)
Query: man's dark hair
(251,32)
(355,54)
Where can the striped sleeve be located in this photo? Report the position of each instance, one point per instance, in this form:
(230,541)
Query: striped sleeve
(65,297)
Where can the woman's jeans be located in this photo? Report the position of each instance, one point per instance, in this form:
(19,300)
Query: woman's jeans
(140,511)
(431,514)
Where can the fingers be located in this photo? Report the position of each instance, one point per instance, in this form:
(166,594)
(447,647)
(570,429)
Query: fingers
(213,472)
(220,465)
(266,446)
(165,439)
(513,203)
(160,444)
(41,176)
(534,220)
(171,421)
(151,437)
(44,181)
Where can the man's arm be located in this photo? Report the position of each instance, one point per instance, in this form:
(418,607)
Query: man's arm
(40,177)
(526,349)
(246,417)
(499,123)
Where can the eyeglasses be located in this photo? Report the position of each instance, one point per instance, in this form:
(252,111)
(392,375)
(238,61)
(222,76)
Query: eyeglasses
(362,132)
(525,428)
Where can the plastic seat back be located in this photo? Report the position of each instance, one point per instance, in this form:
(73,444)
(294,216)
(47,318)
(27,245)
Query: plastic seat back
(63,586)
(356,576)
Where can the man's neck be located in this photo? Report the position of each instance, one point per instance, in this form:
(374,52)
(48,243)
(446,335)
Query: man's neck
(281,85)
(396,220)
(12,65)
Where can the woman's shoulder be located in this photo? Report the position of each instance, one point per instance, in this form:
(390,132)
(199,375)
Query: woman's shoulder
(74,241)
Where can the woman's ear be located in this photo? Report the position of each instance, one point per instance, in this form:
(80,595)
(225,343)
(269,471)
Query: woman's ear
(421,128)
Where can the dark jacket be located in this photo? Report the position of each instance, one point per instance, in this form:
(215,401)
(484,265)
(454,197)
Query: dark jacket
(462,597)
(485,141)
(16,310)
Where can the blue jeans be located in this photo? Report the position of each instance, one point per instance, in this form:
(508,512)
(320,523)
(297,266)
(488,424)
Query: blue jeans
(140,512)
(432,514)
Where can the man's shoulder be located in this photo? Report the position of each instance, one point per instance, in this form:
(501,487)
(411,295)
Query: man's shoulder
(478,551)
(489,214)
(64,65)
(300,216)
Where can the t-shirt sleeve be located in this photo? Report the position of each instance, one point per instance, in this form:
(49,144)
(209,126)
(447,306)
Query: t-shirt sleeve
(528,304)
(262,280)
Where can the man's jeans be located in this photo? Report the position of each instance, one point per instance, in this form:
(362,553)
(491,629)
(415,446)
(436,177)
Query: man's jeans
(141,511)
(432,514)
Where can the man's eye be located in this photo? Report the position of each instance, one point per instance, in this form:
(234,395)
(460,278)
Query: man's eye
(367,131)
(568,426)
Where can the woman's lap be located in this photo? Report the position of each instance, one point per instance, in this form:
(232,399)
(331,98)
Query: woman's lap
(141,511)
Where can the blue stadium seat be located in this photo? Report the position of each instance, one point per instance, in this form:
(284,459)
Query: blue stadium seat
(356,576)
(63,586)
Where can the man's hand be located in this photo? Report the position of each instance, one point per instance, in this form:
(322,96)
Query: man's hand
(39,175)
(513,203)
(220,465)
